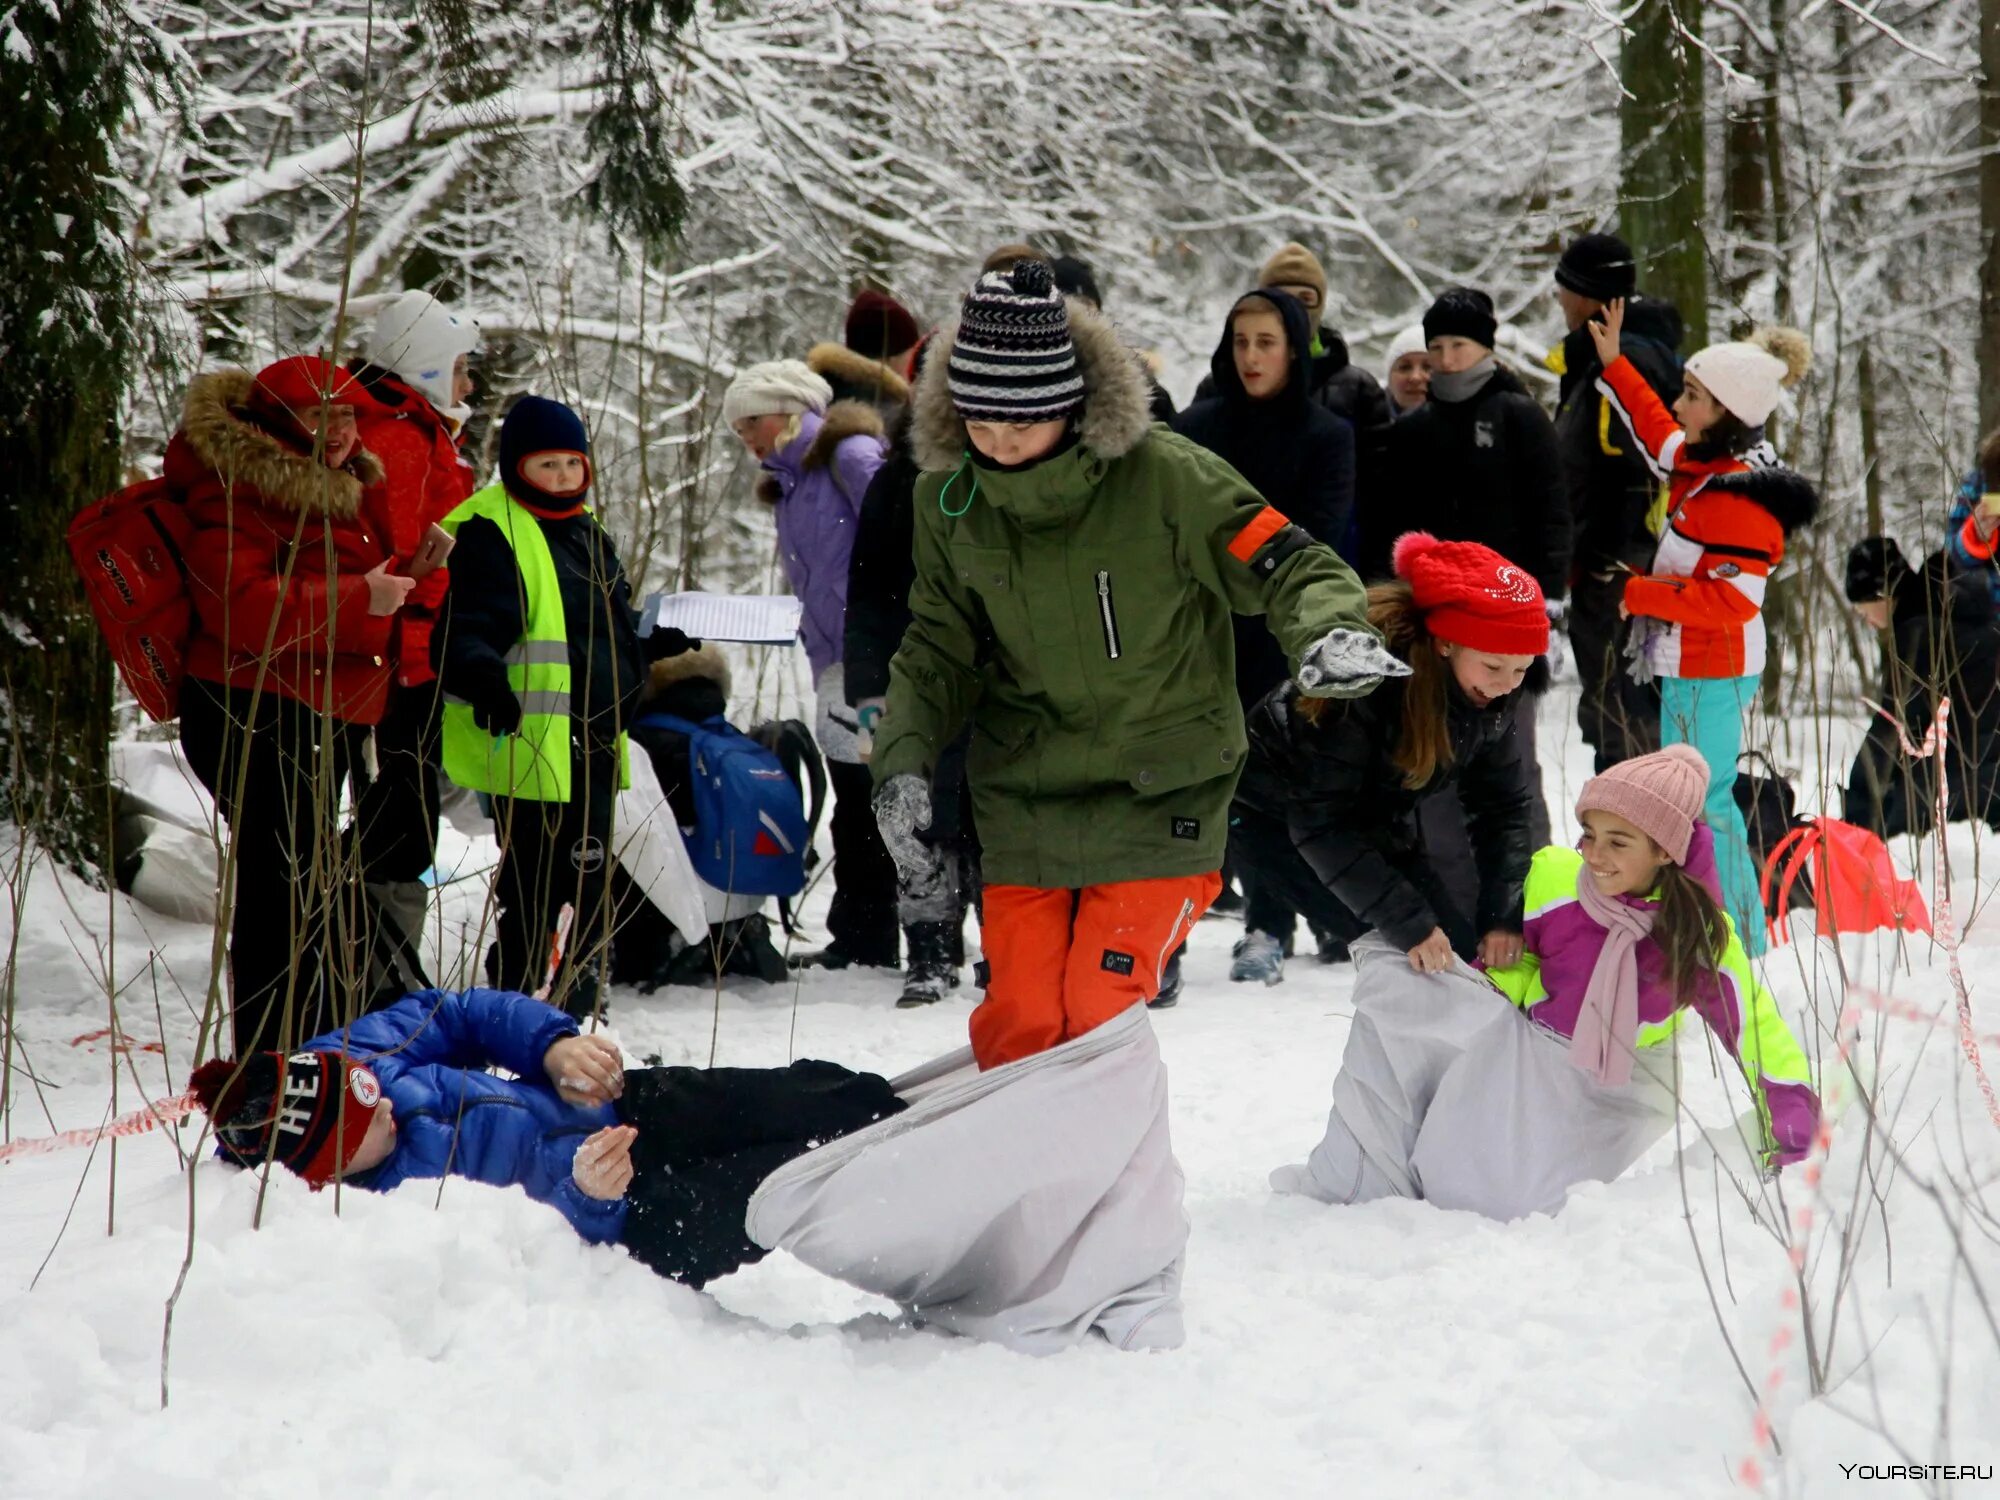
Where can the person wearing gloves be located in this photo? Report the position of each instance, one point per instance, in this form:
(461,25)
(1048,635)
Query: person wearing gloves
(417,369)
(660,1160)
(540,660)
(295,591)
(1329,812)
(1499,1092)
(1610,486)
(1698,611)
(817,460)
(1406,371)
(1076,571)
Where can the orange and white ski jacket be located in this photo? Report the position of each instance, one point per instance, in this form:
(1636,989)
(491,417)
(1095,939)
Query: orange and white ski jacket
(1726,521)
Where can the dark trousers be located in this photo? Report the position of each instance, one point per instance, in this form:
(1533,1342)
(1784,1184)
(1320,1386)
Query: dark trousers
(1619,718)
(396,813)
(552,853)
(1263,850)
(709,1136)
(862,919)
(275,771)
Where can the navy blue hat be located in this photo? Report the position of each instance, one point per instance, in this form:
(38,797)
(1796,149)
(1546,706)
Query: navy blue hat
(534,425)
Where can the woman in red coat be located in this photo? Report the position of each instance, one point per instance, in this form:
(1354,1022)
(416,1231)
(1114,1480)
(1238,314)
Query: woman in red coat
(290,567)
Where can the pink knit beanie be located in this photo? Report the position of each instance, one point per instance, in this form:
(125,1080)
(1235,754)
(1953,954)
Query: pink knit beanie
(1660,794)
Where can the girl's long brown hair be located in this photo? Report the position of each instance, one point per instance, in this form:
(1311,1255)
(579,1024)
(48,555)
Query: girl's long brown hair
(1423,740)
(1689,929)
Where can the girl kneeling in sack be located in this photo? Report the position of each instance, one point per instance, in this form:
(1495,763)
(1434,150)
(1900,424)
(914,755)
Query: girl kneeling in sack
(1448,1092)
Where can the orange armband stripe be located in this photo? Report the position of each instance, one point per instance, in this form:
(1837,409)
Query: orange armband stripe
(1268,523)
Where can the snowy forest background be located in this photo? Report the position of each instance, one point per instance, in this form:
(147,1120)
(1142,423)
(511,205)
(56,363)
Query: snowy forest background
(633,196)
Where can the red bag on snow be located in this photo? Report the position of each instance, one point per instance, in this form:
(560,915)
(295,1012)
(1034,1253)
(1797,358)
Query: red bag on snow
(1855,884)
(127,547)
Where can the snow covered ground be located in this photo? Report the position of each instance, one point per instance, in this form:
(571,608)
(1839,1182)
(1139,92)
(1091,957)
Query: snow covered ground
(465,1343)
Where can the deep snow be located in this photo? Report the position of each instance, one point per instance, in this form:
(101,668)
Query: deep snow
(465,1343)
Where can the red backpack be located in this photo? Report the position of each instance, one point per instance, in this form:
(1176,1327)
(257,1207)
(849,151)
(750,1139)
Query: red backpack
(127,547)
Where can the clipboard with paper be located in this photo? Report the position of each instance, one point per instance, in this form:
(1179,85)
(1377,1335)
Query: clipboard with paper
(747,619)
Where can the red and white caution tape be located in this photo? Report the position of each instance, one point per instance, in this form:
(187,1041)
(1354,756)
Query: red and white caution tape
(139,1122)
(1751,1471)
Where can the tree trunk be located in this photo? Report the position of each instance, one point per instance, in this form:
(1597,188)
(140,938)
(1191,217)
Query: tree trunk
(1663,187)
(66,326)
(1989,215)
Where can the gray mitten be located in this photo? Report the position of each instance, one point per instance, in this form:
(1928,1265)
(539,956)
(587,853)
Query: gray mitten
(902,811)
(1347,664)
(1638,653)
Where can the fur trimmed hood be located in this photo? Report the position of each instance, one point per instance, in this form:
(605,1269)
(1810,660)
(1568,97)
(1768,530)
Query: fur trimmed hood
(240,452)
(1117,405)
(843,420)
(856,376)
(707,661)
(1787,494)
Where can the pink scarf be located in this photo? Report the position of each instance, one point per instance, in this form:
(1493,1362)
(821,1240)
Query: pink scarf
(1607,1027)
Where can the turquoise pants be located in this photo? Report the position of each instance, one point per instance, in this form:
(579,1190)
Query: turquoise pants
(1707,713)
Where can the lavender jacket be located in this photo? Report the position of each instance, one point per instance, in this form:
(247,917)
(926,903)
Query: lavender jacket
(816,482)
(1561,947)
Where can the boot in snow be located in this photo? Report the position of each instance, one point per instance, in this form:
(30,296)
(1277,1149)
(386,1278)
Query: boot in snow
(1170,984)
(1332,949)
(932,973)
(1258,956)
(834,956)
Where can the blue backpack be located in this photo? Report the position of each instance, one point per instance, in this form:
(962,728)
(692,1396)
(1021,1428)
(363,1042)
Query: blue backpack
(751,835)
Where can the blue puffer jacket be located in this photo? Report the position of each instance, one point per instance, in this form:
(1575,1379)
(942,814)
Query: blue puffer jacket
(430,1052)
(1970,552)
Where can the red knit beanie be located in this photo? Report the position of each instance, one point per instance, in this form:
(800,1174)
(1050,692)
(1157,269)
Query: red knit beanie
(1472,596)
(319,1104)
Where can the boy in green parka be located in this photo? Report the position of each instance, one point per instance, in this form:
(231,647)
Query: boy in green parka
(1076,571)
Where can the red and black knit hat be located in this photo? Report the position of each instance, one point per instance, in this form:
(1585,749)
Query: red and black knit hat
(300,1097)
(1472,596)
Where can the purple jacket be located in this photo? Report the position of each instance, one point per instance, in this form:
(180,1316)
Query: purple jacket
(1562,943)
(816,482)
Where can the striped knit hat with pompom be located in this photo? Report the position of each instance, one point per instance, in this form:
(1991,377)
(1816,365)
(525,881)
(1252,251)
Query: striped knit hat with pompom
(1012,359)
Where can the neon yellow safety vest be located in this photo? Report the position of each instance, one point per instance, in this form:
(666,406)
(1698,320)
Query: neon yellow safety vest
(534,761)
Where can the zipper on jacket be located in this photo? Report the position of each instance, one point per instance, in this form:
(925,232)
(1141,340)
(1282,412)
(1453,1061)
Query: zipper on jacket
(1109,614)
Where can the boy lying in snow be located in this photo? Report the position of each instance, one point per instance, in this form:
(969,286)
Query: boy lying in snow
(661,1160)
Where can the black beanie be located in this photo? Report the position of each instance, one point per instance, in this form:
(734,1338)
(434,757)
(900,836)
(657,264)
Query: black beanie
(1074,279)
(1598,266)
(1875,566)
(1463,312)
(535,424)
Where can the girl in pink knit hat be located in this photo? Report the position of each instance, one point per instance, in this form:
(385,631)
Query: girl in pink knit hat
(1499,1090)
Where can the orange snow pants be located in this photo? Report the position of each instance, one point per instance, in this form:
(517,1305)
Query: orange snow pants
(1062,962)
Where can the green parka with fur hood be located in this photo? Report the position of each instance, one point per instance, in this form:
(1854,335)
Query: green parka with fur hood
(1077,614)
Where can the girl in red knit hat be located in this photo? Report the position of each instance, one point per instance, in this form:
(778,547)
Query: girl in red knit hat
(1326,813)
(1498,1092)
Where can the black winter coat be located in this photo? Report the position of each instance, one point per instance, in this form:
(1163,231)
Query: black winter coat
(1945,642)
(485,615)
(1298,455)
(1350,813)
(881,570)
(1607,485)
(1481,470)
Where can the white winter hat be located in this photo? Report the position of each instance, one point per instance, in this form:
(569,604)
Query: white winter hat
(1410,341)
(778,386)
(418,339)
(1743,377)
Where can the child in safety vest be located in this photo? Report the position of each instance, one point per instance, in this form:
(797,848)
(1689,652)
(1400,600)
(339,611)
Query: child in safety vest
(1698,613)
(540,659)
(1499,1092)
